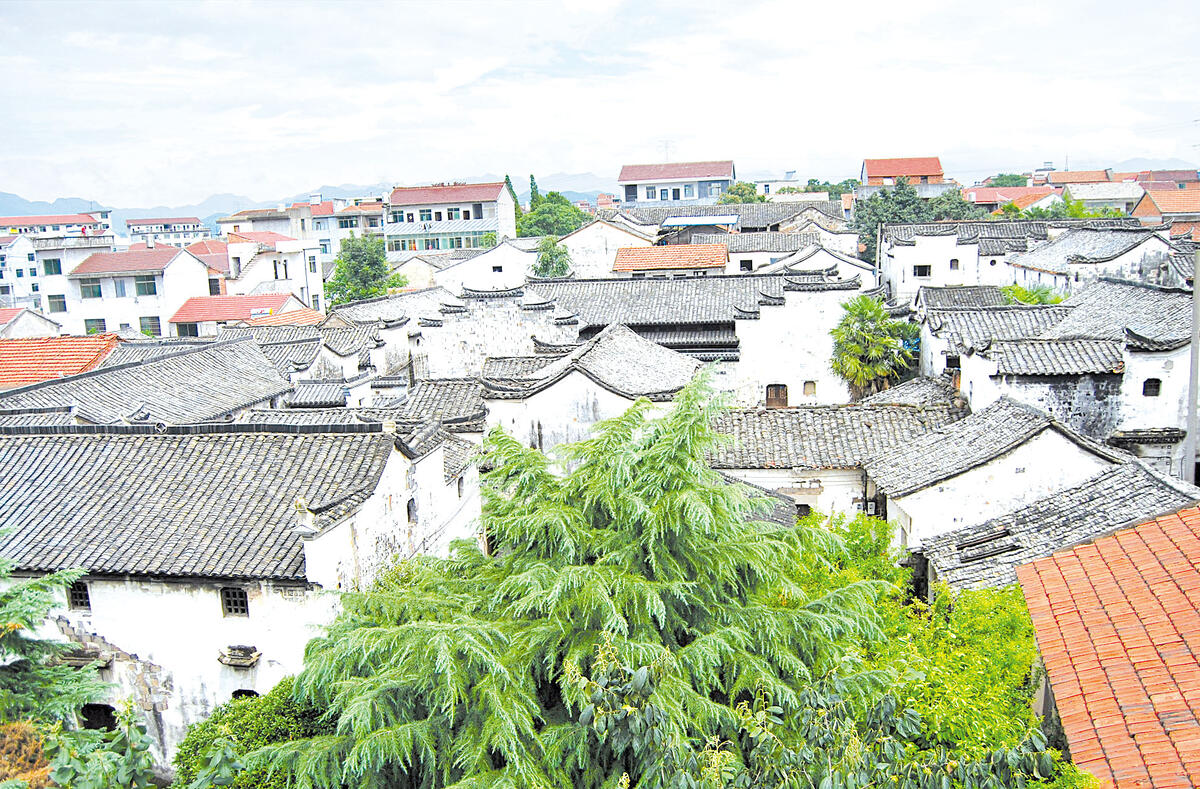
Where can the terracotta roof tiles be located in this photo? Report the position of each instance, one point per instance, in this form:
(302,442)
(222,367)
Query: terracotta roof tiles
(456,193)
(228,308)
(135,260)
(670,171)
(1175,201)
(673,256)
(25,361)
(894,168)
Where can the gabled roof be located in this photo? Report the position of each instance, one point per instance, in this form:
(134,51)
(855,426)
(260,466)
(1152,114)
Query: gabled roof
(1083,246)
(25,361)
(674,171)
(1109,308)
(968,443)
(191,385)
(1024,201)
(147,261)
(1173,201)
(617,359)
(1113,190)
(199,309)
(970,329)
(1115,621)
(172,220)
(673,256)
(1004,194)
(199,501)
(894,168)
(457,403)
(323,208)
(760,242)
(213,251)
(47,219)
(1057,357)
(456,193)
(398,307)
(1078,176)
(969,296)
(317,394)
(267,238)
(820,437)
(922,390)
(363,208)
(305,316)
(750,215)
(145,349)
(988,553)
(624,227)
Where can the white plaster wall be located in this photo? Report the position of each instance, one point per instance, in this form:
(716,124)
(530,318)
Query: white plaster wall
(824,490)
(490,327)
(594,248)
(1169,409)
(1047,463)
(478,274)
(562,413)
(28,324)
(258,268)
(897,262)
(184,277)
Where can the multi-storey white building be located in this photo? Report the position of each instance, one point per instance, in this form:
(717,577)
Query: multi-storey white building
(36,248)
(175,231)
(269,262)
(452,216)
(675,182)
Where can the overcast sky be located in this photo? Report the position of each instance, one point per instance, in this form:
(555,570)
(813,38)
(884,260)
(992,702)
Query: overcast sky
(170,102)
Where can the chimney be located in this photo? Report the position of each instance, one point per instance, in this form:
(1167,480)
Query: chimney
(314,199)
(306,519)
(150,242)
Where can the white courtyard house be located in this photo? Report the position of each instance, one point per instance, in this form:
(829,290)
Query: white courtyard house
(1080,255)
(593,247)
(24,322)
(176,231)
(675,182)
(138,290)
(206,578)
(553,398)
(504,266)
(448,216)
(269,262)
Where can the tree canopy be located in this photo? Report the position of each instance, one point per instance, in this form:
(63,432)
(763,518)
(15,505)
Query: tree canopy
(462,671)
(1007,179)
(742,192)
(1064,209)
(1036,294)
(902,204)
(361,271)
(553,259)
(816,185)
(869,347)
(554,215)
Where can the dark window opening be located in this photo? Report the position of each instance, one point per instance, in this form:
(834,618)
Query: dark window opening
(497,269)
(245,693)
(803,510)
(1152,387)
(234,602)
(746,265)
(777,396)
(922,271)
(78,598)
(214,287)
(187,329)
(460,487)
(412,510)
(952,362)
(954,264)
(99,717)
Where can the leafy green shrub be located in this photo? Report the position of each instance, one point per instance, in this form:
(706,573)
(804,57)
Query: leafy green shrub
(249,723)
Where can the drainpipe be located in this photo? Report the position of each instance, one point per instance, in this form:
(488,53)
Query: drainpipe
(1189,441)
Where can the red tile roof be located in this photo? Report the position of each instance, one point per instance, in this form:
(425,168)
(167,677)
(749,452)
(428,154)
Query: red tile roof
(673,256)
(49,219)
(1186,230)
(1003,194)
(434,195)
(228,308)
(30,360)
(8,313)
(363,208)
(8,238)
(1175,201)
(214,252)
(324,208)
(1079,176)
(135,260)
(301,317)
(1118,627)
(266,237)
(637,173)
(894,168)
(1025,201)
(171,220)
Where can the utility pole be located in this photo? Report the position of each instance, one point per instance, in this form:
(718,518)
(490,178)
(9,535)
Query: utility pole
(666,149)
(1189,440)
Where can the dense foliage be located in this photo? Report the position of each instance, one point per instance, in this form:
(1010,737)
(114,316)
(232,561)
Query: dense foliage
(22,761)
(361,271)
(103,759)
(553,259)
(1037,294)
(462,671)
(902,204)
(247,724)
(1007,179)
(1063,209)
(552,215)
(742,192)
(869,350)
(815,185)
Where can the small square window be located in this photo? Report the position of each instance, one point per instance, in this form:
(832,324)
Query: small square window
(34,287)
(746,265)
(33,271)
(497,269)
(57,303)
(922,271)
(52,266)
(94,325)
(651,193)
(151,326)
(234,602)
(810,388)
(1152,387)
(78,598)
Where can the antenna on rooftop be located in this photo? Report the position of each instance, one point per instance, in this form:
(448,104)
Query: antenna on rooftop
(666,149)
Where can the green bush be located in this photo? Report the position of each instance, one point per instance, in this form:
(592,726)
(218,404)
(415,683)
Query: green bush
(249,723)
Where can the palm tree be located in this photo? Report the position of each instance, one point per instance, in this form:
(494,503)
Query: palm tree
(868,347)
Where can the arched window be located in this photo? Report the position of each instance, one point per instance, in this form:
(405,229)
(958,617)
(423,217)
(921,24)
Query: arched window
(954,264)
(1152,387)
(412,510)
(460,487)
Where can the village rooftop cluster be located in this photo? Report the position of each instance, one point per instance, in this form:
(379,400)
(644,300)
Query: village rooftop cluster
(185,415)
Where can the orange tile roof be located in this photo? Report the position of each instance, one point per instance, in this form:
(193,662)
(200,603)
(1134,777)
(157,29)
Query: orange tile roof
(1003,194)
(847,201)
(1186,230)
(8,313)
(228,308)
(454,193)
(301,317)
(1025,200)
(894,168)
(1079,176)
(1175,201)
(674,256)
(363,208)
(27,361)
(213,251)
(1118,627)
(135,260)
(268,237)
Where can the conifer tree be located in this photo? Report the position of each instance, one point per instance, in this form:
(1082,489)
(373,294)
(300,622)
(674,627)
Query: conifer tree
(534,197)
(464,671)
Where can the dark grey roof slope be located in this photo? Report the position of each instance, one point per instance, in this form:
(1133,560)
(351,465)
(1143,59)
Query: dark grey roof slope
(36,417)
(398,308)
(144,350)
(188,386)
(208,502)
(817,437)
(750,215)
(922,390)
(457,403)
(759,242)
(970,329)
(1056,357)
(294,356)
(988,553)
(457,454)
(1107,308)
(344,341)
(617,359)
(1082,245)
(318,394)
(343,417)
(963,445)
(996,235)
(970,296)
(693,300)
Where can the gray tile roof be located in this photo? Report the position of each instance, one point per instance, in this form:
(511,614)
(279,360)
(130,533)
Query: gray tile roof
(316,416)
(213,501)
(617,359)
(36,417)
(1107,308)
(457,403)
(193,385)
(1057,357)
(1014,233)
(398,308)
(318,394)
(817,437)
(922,390)
(970,296)
(144,350)
(750,215)
(1082,245)
(692,300)
(759,242)
(963,445)
(987,554)
(294,356)
(344,341)
(974,328)
(781,509)
(457,455)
